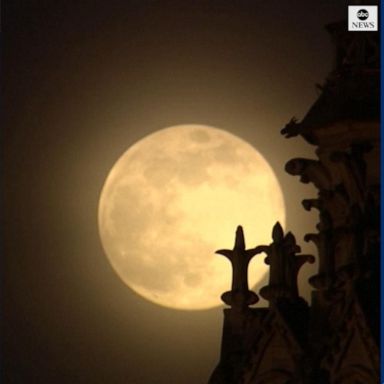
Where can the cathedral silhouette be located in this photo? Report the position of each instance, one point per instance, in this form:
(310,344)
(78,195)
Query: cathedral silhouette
(335,338)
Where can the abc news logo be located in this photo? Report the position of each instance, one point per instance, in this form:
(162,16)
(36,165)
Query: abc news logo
(363,14)
(362,18)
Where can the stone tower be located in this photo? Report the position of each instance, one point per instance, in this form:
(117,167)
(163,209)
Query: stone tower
(335,338)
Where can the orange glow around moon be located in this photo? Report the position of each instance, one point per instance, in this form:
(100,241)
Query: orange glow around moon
(174,198)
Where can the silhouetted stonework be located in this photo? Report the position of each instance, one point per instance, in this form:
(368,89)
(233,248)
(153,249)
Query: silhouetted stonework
(335,339)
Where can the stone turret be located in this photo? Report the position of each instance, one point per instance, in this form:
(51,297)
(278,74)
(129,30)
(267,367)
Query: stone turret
(343,124)
(334,340)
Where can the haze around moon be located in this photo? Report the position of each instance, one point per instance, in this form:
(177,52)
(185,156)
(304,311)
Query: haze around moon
(174,198)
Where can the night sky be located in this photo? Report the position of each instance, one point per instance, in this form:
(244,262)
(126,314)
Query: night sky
(82,81)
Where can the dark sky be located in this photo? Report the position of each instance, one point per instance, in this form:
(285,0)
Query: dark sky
(82,81)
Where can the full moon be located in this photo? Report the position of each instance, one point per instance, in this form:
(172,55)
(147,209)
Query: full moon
(175,197)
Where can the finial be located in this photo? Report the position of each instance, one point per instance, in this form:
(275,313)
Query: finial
(277,232)
(284,265)
(240,297)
